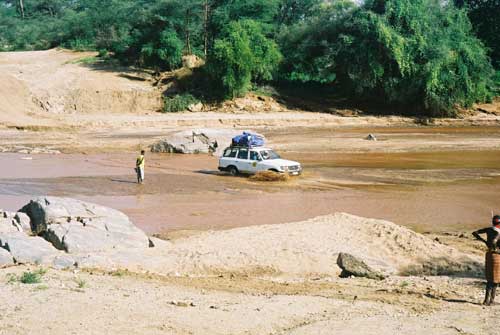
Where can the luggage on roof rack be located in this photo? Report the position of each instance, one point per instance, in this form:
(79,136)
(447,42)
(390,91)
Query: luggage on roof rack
(248,140)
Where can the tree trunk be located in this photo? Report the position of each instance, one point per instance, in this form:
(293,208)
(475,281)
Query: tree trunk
(188,34)
(21,8)
(205,27)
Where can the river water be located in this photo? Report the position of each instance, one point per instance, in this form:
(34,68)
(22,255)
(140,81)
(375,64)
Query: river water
(426,190)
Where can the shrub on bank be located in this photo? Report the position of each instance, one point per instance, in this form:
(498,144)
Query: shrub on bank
(178,103)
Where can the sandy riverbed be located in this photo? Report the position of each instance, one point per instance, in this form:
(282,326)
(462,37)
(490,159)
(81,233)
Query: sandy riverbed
(400,178)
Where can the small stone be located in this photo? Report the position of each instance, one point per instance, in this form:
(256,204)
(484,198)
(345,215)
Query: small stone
(352,266)
(64,262)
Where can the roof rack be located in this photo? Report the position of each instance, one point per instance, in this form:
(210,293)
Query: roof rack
(246,146)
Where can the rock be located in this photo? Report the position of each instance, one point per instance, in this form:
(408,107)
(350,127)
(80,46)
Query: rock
(5,258)
(195,141)
(24,221)
(155,242)
(16,225)
(352,266)
(29,150)
(195,108)
(27,249)
(76,226)
(63,262)
(6,226)
(182,303)
(371,137)
(181,146)
(6,214)
(192,61)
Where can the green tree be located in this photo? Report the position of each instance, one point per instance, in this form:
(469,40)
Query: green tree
(242,55)
(485,18)
(420,55)
(166,51)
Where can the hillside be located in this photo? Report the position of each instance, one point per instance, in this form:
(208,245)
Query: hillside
(45,87)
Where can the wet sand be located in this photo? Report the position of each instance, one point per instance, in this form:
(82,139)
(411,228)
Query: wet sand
(425,190)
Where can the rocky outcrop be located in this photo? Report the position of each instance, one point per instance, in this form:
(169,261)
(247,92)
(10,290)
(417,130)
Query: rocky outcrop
(352,266)
(200,141)
(13,222)
(76,226)
(64,233)
(26,249)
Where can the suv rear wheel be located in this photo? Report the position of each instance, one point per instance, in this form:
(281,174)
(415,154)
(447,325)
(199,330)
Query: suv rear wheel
(233,171)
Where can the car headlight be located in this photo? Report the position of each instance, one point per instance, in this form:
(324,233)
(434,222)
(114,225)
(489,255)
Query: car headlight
(284,168)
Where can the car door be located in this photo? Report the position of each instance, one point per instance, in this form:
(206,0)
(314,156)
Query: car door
(255,159)
(242,162)
(228,157)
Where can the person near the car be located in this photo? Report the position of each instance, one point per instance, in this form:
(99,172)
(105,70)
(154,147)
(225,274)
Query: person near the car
(139,167)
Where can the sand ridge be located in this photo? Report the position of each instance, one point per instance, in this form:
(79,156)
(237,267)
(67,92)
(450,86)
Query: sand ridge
(294,250)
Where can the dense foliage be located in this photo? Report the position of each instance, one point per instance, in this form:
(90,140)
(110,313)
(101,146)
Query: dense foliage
(178,103)
(241,55)
(485,18)
(418,55)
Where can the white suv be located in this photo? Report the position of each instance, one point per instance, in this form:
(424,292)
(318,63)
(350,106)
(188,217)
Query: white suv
(251,160)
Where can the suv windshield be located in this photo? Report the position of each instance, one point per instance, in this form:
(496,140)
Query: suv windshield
(269,154)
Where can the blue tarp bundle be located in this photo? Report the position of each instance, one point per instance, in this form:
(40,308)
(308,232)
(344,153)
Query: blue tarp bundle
(248,140)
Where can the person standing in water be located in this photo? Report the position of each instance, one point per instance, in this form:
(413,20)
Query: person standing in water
(492,260)
(139,167)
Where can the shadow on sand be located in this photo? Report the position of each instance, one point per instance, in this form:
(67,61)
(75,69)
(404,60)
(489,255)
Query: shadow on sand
(123,181)
(443,266)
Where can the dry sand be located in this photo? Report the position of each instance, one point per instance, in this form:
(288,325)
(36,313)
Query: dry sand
(279,279)
(127,304)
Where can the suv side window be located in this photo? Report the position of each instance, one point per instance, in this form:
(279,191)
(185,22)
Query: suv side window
(231,153)
(254,156)
(243,153)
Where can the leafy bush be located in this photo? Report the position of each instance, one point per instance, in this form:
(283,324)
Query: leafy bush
(484,15)
(243,54)
(420,55)
(167,50)
(496,83)
(34,277)
(30,278)
(178,103)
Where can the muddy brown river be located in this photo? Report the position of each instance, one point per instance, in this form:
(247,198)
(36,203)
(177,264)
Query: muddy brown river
(426,187)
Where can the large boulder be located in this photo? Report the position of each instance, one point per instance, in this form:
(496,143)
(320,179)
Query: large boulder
(26,249)
(76,226)
(352,266)
(199,141)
